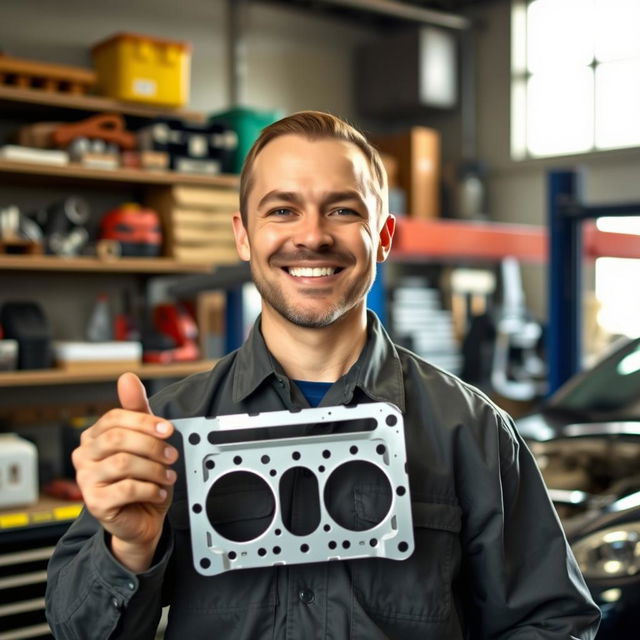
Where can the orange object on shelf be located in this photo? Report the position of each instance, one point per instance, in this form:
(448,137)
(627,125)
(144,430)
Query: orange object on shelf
(109,127)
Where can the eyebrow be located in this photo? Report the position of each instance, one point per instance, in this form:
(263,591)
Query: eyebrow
(295,198)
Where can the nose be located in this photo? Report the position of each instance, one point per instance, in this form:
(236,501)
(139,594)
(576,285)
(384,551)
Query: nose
(312,231)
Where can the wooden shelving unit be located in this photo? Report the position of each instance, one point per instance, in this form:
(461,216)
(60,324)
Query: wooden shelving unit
(96,265)
(16,98)
(75,173)
(39,377)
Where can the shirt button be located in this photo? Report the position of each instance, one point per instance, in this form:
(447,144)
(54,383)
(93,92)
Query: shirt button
(131,586)
(306,596)
(116,603)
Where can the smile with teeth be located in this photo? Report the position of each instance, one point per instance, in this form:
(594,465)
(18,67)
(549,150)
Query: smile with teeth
(311,272)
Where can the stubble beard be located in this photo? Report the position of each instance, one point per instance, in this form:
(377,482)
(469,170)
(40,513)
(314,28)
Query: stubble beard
(308,319)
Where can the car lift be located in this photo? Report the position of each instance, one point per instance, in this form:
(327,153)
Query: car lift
(566,213)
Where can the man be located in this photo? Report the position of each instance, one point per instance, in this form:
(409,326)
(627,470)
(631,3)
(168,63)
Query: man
(490,559)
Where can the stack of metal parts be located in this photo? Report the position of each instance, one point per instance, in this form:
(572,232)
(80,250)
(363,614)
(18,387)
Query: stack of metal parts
(419,322)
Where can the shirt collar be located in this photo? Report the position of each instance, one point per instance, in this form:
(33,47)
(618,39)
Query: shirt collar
(377,372)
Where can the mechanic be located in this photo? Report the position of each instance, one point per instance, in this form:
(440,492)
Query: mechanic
(490,558)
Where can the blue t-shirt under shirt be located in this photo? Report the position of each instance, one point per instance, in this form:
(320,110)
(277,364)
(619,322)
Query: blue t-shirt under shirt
(313,391)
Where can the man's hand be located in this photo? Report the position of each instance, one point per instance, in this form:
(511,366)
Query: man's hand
(123,473)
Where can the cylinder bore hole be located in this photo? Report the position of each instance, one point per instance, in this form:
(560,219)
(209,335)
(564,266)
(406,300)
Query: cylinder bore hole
(352,480)
(240,506)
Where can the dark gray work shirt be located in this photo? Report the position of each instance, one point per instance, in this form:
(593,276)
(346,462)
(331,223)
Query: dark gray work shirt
(490,558)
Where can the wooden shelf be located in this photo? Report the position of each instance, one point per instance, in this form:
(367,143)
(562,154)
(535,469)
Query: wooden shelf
(95,265)
(46,377)
(73,173)
(16,98)
(456,240)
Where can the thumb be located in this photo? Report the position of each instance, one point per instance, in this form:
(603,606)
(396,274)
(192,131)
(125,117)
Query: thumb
(132,394)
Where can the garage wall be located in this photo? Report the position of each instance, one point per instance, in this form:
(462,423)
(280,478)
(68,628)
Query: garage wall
(296,59)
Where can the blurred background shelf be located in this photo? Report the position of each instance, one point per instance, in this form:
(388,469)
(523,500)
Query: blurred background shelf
(38,102)
(105,374)
(91,264)
(75,173)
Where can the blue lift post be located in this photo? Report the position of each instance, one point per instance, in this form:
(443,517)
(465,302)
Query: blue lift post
(567,211)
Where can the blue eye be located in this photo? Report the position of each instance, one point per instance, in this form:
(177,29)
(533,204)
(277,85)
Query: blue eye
(343,211)
(280,212)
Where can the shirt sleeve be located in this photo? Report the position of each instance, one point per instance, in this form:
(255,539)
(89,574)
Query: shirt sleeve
(525,582)
(91,596)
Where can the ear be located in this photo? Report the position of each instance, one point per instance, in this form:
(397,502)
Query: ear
(241,237)
(386,237)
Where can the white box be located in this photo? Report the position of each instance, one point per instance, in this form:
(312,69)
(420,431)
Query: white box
(18,471)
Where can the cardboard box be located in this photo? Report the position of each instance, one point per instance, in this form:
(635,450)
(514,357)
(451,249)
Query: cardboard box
(417,153)
(197,222)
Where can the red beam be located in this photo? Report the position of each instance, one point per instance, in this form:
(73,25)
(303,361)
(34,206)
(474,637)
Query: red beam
(454,239)
(603,244)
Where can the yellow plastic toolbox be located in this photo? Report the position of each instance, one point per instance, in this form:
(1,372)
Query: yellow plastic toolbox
(142,68)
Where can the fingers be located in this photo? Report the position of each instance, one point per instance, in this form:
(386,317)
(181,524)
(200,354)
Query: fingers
(127,419)
(101,444)
(121,466)
(132,394)
(105,502)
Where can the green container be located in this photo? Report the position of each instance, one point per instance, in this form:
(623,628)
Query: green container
(247,123)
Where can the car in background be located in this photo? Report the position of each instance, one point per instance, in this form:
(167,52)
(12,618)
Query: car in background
(586,439)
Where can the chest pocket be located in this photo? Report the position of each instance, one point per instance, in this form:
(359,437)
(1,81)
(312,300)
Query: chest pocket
(236,513)
(419,588)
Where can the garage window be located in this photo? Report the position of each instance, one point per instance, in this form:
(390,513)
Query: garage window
(619,310)
(575,76)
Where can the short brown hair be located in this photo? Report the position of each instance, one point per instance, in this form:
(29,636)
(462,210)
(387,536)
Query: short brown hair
(313,125)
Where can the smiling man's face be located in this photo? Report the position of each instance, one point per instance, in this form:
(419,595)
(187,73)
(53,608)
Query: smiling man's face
(314,232)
